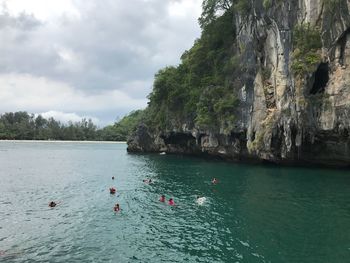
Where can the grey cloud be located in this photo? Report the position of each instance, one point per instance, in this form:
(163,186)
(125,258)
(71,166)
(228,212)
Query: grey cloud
(114,44)
(23,21)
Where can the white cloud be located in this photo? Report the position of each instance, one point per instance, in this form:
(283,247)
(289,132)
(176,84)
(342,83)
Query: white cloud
(66,117)
(42,9)
(69,60)
(95,58)
(185,9)
(37,94)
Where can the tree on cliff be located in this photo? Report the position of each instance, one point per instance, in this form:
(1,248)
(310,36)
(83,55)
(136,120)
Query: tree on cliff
(200,90)
(210,10)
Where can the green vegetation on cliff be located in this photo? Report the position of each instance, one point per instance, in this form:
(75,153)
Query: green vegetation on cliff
(200,89)
(307,44)
(121,129)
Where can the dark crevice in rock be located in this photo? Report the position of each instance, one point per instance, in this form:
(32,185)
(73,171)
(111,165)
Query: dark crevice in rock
(199,139)
(345,133)
(294,133)
(252,137)
(342,43)
(179,139)
(321,78)
(262,60)
(238,135)
(277,138)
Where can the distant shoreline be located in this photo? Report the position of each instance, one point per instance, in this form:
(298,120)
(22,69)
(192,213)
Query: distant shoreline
(61,141)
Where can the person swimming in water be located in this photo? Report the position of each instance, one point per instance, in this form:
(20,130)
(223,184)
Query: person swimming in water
(171,202)
(200,200)
(146,181)
(112,190)
(112,177)
(214,181)
(52,204)
(116,208)
(162,198)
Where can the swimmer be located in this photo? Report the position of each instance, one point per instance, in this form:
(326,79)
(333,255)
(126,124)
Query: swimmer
(112,190)
(52,204)
(146,181)
(171,202)
(112,177)
(201,200)
(214,181)
(116,208)
(162,198)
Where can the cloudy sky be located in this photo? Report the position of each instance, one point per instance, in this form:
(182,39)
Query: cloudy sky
(91,58)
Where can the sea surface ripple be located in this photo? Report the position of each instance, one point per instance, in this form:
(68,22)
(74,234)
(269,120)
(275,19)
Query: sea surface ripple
(254,214)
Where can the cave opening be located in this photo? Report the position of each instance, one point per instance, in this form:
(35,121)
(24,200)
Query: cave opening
(179,138)
(321,78)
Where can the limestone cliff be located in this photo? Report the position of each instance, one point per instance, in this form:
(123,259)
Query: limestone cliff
(283,116)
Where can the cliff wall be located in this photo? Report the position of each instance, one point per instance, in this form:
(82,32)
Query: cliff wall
(292,108)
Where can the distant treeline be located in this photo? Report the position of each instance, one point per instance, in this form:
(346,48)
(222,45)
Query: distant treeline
(23,126)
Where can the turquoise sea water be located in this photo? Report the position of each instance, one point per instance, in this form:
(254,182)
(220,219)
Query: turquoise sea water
(254,214)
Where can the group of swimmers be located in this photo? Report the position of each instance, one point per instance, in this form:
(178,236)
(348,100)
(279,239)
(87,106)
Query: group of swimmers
(112,191)
(200,200)
(170,202)
(116,208)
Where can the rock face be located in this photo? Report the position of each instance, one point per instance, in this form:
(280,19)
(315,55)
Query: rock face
(282,117)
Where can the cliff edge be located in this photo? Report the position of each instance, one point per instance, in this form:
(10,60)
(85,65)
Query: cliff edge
(291,88)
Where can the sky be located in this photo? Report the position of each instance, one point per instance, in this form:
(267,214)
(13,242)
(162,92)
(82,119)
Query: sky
(70,59)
